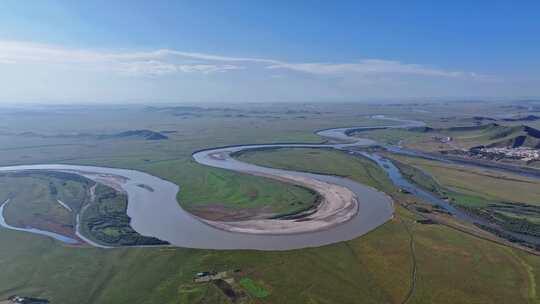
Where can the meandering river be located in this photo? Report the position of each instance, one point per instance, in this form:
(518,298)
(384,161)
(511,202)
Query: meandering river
(157,213)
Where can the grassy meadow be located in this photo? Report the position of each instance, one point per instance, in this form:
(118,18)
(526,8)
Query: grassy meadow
(488,184)
(507,199)
(376,268)
(33,199)
(399,261)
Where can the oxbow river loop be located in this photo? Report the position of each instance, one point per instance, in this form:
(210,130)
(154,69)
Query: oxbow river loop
(157,213)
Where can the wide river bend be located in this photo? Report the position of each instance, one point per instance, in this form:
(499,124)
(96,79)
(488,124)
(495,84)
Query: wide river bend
(157,213)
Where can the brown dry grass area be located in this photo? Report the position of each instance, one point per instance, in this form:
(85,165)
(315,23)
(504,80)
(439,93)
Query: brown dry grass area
(41,222)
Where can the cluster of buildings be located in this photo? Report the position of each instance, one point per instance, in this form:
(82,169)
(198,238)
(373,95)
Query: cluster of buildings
(521,153)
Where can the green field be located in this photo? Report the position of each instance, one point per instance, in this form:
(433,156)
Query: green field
(106,222)
(34,203)
(320,161)
(507,199)
(485,183)
(376,268)
(451,267)
(33,199)
(253,288)
(464,133)
(237,192)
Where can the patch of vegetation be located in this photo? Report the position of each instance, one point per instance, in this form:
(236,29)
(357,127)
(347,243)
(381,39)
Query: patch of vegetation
(488,184)
(375,268)
(34,197)
(472,197)
(495,135)
(418,177)
(388,136)
(254,289)
(107,222)
(320,161)
(458,137)
(241,191)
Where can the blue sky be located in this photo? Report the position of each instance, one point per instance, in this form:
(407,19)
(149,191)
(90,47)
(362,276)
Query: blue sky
(190,51)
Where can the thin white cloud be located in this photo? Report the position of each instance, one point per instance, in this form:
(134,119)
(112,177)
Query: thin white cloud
(369,66)
(152,63)
(158,68)
(215,57)
(167,61)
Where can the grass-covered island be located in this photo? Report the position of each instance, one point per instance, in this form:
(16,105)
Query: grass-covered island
(55,201)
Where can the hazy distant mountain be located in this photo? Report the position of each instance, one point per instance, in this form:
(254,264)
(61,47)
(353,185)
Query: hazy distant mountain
(520,136)
(524,118)
(492,135)
(135,134)
(146,134)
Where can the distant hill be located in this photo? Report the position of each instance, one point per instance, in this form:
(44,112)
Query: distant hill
(134,134)
(483,118)
(523,118)
(456,129)
(189,110)
(519,136)
(487,127)
(145,134)
(490,135)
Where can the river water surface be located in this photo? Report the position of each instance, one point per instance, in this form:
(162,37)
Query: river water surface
(157,213)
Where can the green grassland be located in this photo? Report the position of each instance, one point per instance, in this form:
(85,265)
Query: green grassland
(33,202)
(238,191)
(507,199)
(33,199)
(25,206)
(376,268)
(253,288)
(424,138)
(451,267)
(390,136)
(171,159)
(106,222)
(485,183)
(321,161)
(465,133)
(489,134)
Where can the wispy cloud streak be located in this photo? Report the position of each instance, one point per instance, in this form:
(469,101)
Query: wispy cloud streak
(167,61)
(369,66)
